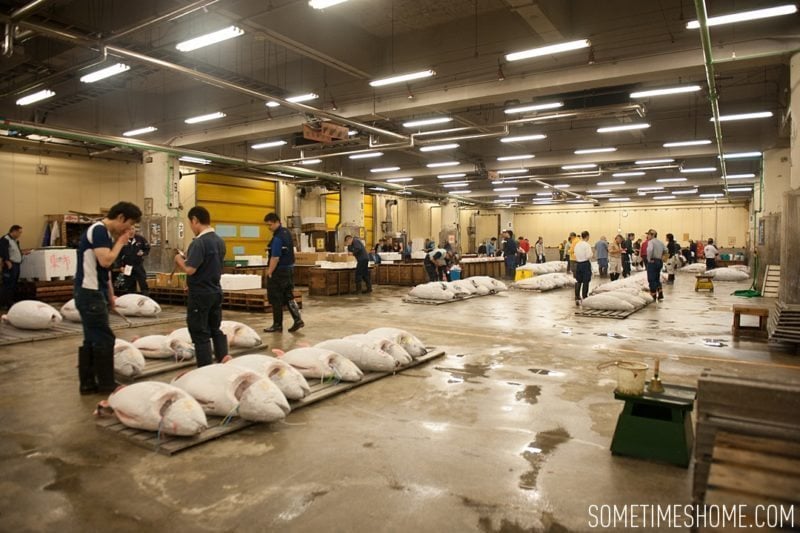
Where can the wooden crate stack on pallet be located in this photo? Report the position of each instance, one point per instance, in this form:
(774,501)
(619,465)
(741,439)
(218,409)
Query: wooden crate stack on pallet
(331,282)
(744,425)
(403,274)
(253,300)
(784,323)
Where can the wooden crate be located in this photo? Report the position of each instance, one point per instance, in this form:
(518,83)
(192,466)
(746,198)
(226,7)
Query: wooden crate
(253,300)
(402,274)
(50,292)
(331,282)
(302,275)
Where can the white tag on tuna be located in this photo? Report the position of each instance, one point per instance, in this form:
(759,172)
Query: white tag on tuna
(128,270)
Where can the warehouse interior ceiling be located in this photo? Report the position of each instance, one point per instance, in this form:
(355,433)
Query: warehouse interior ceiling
(287,49)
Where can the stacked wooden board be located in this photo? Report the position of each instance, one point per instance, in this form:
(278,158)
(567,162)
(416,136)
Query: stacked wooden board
(772,281)
(51,292)
(254,300)
(784,323)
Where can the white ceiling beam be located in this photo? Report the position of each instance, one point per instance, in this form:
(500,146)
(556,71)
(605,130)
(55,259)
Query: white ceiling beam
(537,19)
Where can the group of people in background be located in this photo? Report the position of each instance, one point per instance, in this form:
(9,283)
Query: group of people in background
(516,252)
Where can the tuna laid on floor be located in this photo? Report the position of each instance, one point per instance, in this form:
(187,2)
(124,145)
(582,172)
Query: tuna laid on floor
(240,335)
(291,382)
(365,357)
(397,352)
(406,340)
(228,390)
(155,406)
(31,314)
(137,305)
(181,334)
(164,347)
(435,290)
(128,360)
(70,312)
(316,363)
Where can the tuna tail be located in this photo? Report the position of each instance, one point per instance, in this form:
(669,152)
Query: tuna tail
(277,352)
(4,318)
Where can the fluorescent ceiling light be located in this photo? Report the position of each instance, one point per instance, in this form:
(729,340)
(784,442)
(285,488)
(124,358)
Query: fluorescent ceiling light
(399,180)
(670,180)
(384,169)
(515,157)
(667,91)
(352,133)
(438,147)
(140,131)
(606,183)
(741,155)
(685,191)
(513,171)
(443,164)
(711,195)
(743,116)
(594,151)
(740,189)
(519,138)
(448,176)
(677,144)
(598,191)
(650,189)
(740,176)
(104,73)
(653,161)
(619,199)
(668,197)
(427,122)
(35,97)
(548,50)
(190,159)
(503,189)
(626,174)
(296,100)
(210,38)
(698,169)
(322,4)
(462,191)
(402,78)
(755,14)
(403,192)
(623,127)
(269,144)
(579,166)
(367,155)
(543,194)
(533,107)
(205,118)
(311,161)
(561,186)
(455,184)
(378,189)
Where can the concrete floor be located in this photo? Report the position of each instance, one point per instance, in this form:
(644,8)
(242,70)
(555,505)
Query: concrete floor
(509,432)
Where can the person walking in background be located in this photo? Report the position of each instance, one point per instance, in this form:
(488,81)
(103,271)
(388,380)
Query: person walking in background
(627,255)
(359,251)
(539,250)
(710,252)
(11,255)
(673,250)
(523,247)
(280,276)
(569,252)
(583,267)
(510,253)
(615,257)
(653,254)
(133,254)
(692,252)
(601,253)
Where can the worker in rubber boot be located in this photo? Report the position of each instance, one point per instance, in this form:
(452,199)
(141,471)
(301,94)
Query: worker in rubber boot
(203,266)
(99,247)
(280,276)
(654,261)
(356,247)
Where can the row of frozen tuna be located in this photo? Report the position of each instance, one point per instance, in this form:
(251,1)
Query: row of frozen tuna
(450,290)
(257,387)
(731,273)
(549,267)
(624,299)
(546,282)
(33,314)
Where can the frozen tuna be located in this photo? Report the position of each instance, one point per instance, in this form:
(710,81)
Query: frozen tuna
(321,364)
(30,314)
(406,340)
(70,312)
(128,360)
(366,357)
(137,305)
(182,334)
(155,406)
(291,382)
(164,347)
(240,335)
(383,344)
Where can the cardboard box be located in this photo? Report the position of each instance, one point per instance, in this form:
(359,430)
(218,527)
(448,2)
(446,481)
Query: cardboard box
(305,258)
(339,257)
(308,228)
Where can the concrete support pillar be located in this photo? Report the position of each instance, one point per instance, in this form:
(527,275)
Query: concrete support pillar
(161,183)
(352,205)
(790,248)
(449,232)
(506,219)
(794,98)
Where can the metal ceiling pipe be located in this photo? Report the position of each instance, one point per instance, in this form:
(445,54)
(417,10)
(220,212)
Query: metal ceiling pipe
(54,76)
(713,95)
(593,112)
(8,40)
(576,195)
(27,9)
(155,20)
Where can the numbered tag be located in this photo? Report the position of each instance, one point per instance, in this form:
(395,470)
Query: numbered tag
(128,270)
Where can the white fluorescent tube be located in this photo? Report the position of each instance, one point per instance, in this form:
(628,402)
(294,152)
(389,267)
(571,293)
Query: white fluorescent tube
(650,189)
(140,131)
(448,176)
(562,186)
(463,191)
(35,97)
(685,191)
(667,91)
(598,191)
(518,138)
(295,99)
(366,155)
(190,159)
(698,169)
(403,77)
(427,122)
(619,199)
(544,194)
(670,180)
(711,195)
(322,4)
(210,38)
(606,183)
(740,189)
(548,50)
(270,144)
(438,147)
(503,189)
(533,107)
(579,166)
(623,127)
(384,169)
(205,118)
(515,157)
(455,184)
(105,73)
(743,116)
(626,174)
(594,151)
(399,180)
(741,155)
(443,164)
(740,176)
(513,171)
(311,161)
(653,161)
(742,16)
(378,189)
(677,144)
(668,197)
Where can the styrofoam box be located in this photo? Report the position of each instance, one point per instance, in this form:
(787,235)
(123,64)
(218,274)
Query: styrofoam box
(391,256)
(49,263)
(418,255)
(252,260)
(238,282)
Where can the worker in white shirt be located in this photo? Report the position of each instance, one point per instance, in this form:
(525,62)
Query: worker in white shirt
(583,267)
(711,253)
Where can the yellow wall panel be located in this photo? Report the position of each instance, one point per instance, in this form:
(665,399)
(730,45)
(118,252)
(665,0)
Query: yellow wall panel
(332,211)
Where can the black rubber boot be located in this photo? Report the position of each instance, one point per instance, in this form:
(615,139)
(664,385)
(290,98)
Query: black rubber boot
(660,295)
(295,312)
(104,368)
(358,287)
(274,328)
(88,384)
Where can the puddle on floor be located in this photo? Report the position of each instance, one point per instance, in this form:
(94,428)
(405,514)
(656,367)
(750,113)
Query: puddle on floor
(536,454)
(546,372)
(530,394)
(470,370)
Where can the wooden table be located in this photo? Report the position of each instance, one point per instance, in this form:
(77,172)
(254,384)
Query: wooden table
(742,309)
(403,274)
(332,282)
(704,282)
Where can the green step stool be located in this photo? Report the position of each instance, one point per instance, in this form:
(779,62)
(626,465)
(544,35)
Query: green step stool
(656,426)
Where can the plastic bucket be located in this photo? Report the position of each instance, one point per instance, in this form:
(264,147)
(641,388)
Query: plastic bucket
(455,275)
(630,377)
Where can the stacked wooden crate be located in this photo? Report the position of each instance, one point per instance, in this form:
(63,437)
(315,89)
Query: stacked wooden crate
(331,282)
(46,291)
(403,274)
(784,323)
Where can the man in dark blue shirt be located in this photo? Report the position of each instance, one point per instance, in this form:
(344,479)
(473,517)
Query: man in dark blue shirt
(133,254)
(280,276)
(203,267)
(356,247)
(97,251)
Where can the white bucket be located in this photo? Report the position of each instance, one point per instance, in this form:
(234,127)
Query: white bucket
(630,377)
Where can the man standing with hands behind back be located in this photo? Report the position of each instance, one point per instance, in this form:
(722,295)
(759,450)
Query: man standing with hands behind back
(280,273)
(203,266)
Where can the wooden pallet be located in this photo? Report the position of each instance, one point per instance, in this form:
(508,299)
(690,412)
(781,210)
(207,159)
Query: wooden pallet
(169,445)
(413,300)
(252,300)
(772,281)
(11,335)
(601,313)
(155,367)
(784,323)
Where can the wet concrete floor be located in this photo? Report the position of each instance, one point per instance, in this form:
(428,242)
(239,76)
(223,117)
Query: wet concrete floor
(509,432)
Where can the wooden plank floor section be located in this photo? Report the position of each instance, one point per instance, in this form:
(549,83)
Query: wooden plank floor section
(412,300)
(11,335)
(601,313)
(169,445)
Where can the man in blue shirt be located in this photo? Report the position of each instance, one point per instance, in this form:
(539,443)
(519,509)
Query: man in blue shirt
(359,251)
(94,294)
(203,266)
(280,276)
(10,260)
